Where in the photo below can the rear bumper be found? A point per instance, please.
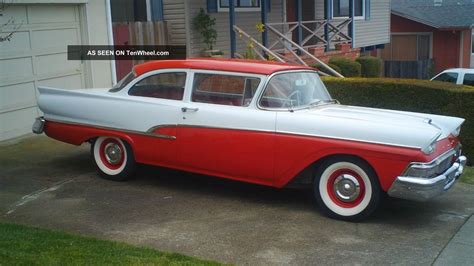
(422, 189)
(38, 125)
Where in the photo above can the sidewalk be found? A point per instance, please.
(460, 249)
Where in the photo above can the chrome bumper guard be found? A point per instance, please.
(422, 189)
(38, 126)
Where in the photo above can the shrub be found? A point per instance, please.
(410, 95)
(323, 69)
(348, 67)
(371, 67)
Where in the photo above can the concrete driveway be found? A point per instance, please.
(49, 184)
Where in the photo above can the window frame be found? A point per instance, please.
(239, 9)
(189, 86)
(472, 42)
(346, 17)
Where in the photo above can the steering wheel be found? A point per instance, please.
(289, 100)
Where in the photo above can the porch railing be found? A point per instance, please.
(284, 49)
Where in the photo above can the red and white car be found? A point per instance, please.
(259, 122)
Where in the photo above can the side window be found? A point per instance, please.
(447, 77)
(224, 89)
(468, 79)
(163, 86)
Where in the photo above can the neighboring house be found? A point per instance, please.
(439, 30)
(36, 55)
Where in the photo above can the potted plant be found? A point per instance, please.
(204, 24)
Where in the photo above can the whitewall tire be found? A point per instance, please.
(113, 157)
(346, 188)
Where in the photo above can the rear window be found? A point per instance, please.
(468, 79)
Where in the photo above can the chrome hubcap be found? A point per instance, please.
(113, 153)
(346, 187)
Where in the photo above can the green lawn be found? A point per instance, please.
(468, 175)
(22, 245)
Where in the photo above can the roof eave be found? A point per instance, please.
(427, 23)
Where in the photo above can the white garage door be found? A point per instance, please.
(36, 56)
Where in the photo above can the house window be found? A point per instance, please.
(472, 42)
(340, 8)
(240, 5)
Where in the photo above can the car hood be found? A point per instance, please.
(398, 128)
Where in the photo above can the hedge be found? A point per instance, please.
(348, 67)
(410, 95)
(371, 67)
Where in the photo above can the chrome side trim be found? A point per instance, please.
(152, 130)
(150, 134)
(114, 129)
(349, 139)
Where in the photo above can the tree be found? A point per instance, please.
(7, 22)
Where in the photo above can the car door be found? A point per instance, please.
(221, 131)
(155, 109)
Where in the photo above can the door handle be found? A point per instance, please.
(187, 109)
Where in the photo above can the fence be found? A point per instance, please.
(421, 69)
(138, 33)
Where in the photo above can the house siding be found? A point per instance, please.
(174, 15)
(375, 30)
(245, 20)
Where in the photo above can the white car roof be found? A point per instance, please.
(460, 70)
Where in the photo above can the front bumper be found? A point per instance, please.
(422, 189)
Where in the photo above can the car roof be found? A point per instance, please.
(231, 65)
(460, 70)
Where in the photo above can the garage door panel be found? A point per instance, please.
(17, 123)
(65, 82)
(49, 39)
(20, 43)
(51, 13)
(36, 56)
(56, 63)
(16, 67)
(17, 96)
(18, 12)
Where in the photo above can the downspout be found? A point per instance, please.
(231, 28)
(110, 36)
(461, 48)
(352, 23)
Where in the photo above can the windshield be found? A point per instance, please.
(123, 82)
(293, 90)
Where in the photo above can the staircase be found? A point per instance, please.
(284, 49)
